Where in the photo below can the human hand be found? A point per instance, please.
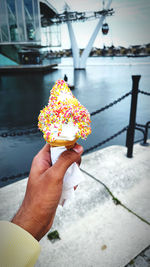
(44, 189)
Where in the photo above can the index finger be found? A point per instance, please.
(46, 148)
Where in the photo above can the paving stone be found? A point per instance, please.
(140, 262)
(147, 253)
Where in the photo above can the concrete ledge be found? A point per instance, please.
(93, 230)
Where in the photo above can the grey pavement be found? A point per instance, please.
(95, 231)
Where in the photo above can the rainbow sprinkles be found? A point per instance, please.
(63, 109)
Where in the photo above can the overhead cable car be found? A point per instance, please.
(105, 28)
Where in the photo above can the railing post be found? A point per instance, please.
(132, 119)
(145, 135)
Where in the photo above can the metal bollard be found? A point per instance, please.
(132, 119)
(146, 135)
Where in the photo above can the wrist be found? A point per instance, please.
(27, 222)
(33, 224)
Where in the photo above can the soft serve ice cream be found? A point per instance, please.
(64, 118)
(62, 122)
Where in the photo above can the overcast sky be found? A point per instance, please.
(130, 25)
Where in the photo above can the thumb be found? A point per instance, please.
(66, 159)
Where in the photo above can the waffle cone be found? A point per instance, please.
(67, 143)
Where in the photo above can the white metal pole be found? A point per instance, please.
(74, 45)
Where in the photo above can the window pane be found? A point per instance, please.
(4, 22)
(11, 9)
(20, 20)
(37, 20)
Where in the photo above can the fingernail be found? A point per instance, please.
(77, 148)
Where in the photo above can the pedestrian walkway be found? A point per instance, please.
(107, 224)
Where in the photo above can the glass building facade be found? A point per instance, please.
(51, 36)
(20, 21)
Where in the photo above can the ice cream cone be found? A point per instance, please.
(67, 143)
(63, 121)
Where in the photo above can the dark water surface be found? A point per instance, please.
(104, 80)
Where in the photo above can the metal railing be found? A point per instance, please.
(129, 128)
(132, 120)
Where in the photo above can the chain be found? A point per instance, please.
(12, 134)
(142, 125)
(33, 131)
(25, 174)
(13, 177)
(143, 92)
(111, 104)
(106, 140)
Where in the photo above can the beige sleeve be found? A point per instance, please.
(18, 248)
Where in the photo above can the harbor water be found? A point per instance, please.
(22, 96)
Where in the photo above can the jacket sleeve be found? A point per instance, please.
(18, 248)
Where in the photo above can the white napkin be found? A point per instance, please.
(73, 175)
